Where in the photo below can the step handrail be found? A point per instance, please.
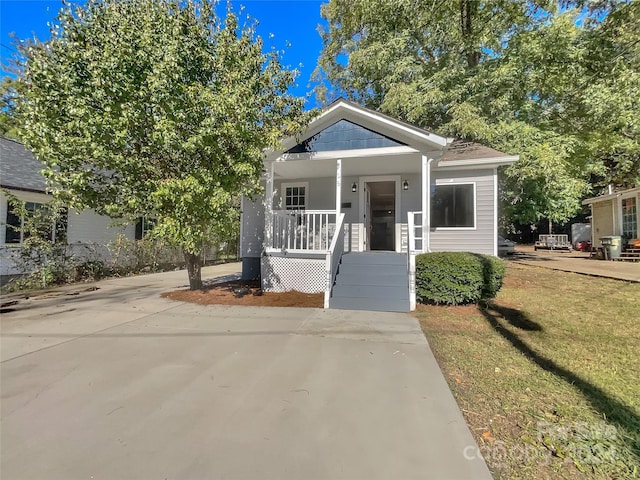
(334, 255)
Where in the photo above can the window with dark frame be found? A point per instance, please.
(295, 197)
(452, 206)
(15, 223)
(143, 226)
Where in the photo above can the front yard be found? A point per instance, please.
(547, 374)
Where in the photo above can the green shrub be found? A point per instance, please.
(90, 270)
(494, 270)
(457, 278)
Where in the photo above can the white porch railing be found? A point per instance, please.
(416, 243)
(303, 230)
(336, 249)
(416, 234)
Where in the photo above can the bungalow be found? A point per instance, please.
(349, 204)
(616, 214)
(20, 176)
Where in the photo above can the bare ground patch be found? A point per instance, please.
(247, 293)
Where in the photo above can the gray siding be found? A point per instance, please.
(252, 228)
(482, 238)
(321, 196)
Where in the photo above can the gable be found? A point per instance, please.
(344, 135)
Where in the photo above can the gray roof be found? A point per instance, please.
(465, 150)
(19, 169)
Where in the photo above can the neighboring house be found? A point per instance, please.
(350, 203)
(615, 214)
(20, 175)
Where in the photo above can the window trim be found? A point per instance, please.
(444, 183)
(20, 231)
(283, 193)
(634, 197)
(142, 221)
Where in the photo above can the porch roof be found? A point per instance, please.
(372, 161)
(610, 196)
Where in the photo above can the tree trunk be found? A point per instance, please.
(468, 9)
(550, 227)
(194, 270)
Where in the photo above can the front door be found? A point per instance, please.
(367, 217)
(380, 215)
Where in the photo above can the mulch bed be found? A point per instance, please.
(242, 292)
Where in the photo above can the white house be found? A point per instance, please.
(20, 176)
(615, 214)
(349, 204)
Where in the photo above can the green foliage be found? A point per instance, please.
(457, 278)
(90, 270)
(555, 82)
(493, 272)
(8, 122)
(43, 254)
(156, 108)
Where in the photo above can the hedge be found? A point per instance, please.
(457, 278)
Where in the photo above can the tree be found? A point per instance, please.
(526, 77)
(8, 94)
(156, 108)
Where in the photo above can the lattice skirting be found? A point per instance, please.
(282, 274)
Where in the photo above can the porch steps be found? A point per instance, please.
(376, 281)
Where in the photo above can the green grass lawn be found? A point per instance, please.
(548, 374)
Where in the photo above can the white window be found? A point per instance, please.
(629, 218)
(294, 195)
(453, 206)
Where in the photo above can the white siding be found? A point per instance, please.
(8, 252)
(87, 232)
(88, 227)
(482, 238)
(23, 196)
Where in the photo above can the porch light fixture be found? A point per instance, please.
(405, 185)
(354, 187)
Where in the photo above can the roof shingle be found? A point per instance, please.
(19, 169)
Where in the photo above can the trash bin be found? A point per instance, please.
(612, 246)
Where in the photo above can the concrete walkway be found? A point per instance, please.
(118, 383)
(578, 262)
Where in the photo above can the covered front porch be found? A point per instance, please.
(358, 183)
(320, 207)
(378, 196)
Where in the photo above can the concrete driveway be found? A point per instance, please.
(118, 383)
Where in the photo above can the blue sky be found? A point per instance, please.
(295, 21)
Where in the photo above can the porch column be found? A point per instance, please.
(268, 208)
(426, 203)
(338, 188)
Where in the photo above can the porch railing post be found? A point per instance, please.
(338, 188)
(425, 203)
(268, 209)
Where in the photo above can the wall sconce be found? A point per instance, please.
(405, 185)
(354, 187)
